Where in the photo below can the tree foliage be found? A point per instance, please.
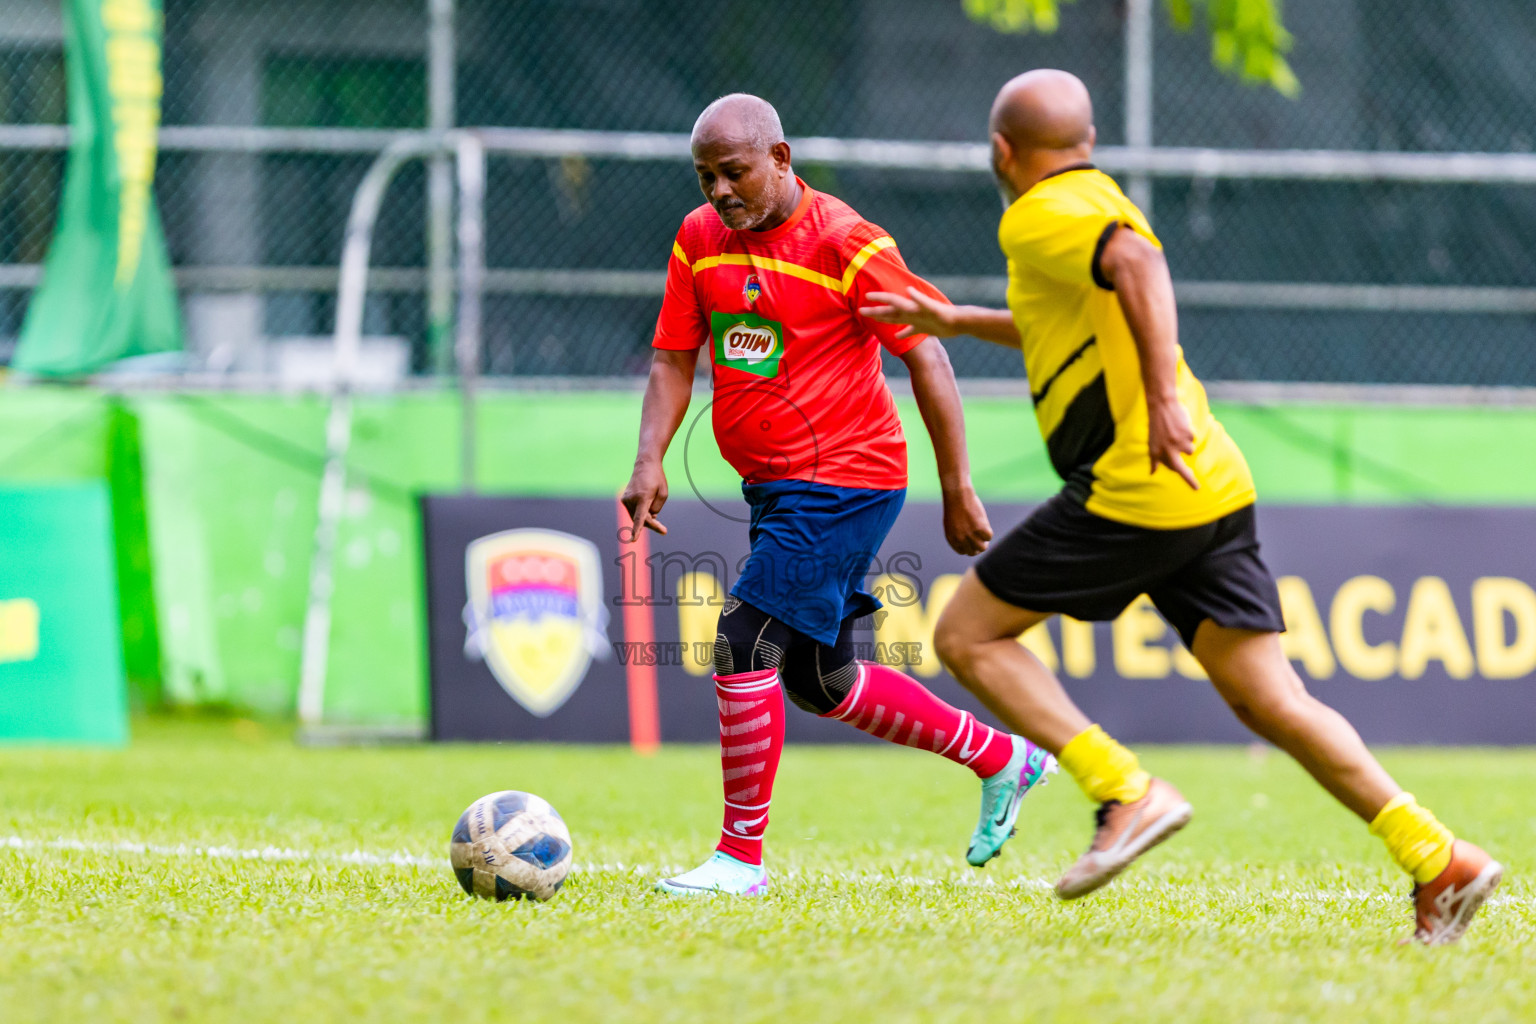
(1248, 38)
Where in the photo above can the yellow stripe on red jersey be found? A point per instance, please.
(798, 389)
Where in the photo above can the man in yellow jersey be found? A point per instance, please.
(1158, 500)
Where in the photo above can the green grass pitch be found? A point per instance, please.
(1273, 905)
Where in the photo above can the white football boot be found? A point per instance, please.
(722, 873)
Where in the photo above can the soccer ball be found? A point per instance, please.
(511, 846)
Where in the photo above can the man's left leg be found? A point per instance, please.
(829, 681)
(1451, 877)
(977, 638)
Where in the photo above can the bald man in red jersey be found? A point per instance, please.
(769, 274)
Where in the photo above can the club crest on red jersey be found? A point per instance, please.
(752, 290)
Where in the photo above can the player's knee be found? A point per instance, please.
(1244, 713)
(747, 639)
(725, 658)
(735, 654)
(955, 650)
(1280, 712)
(805, 691)
(820, 683)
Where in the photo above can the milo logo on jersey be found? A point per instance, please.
(748, 343)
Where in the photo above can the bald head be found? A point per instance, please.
(742, 161)
(1041, 121)
(739, 118)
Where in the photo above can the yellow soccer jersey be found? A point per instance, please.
(1084, 372)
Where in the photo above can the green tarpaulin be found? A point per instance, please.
(107, 290)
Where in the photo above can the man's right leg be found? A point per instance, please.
(749, 648)
(977, 639)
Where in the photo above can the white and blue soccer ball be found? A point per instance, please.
(511, 846)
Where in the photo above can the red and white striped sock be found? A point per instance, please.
(899, 709)
(751, 740)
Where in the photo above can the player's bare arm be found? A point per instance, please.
(667, 392)
(1140, 275)
(938, 399)
(924, 314)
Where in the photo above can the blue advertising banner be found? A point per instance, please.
(1419, 624)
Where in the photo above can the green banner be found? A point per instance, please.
(107, 290)
(61, 656)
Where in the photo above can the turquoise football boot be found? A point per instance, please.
(722, 873)
(1001, 795)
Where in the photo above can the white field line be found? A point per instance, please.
(283, 854)
(264, 853)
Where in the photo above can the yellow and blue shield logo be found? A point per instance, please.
(535, 613)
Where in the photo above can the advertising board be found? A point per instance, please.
(1418, 623)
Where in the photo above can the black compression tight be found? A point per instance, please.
(817, 677)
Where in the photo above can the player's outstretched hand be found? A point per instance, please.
(965, 522)
(921, 313)
(643, 497)
(1169, 438)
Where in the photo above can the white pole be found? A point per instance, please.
(351, 293)
(440, 118)
(1138, 93)
(471, 168)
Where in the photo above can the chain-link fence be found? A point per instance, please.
(1370, 281)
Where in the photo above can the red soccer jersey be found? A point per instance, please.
(799, 394)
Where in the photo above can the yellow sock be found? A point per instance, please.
(1103, 768)
(1414, 837)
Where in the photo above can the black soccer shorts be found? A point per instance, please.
(1065, 559)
